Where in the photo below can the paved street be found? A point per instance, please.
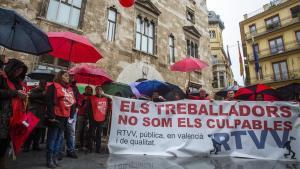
(36, 160)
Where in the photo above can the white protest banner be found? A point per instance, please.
(265, 130)
(163, 162)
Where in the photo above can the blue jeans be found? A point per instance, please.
(54, 139)
(70, 135)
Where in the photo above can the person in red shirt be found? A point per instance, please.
(60, 99)
(11, 93)
(202, 95)
(97, 108)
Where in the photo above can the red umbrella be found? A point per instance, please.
(72, 47)
(189, 65)
(248, 93)
(89, 74)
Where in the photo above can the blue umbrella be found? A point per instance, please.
(18, 34)
(148, 87)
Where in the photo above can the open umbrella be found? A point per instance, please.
(115, 88)
(249, 93)
(89, 74)
(42, 74)
(223, 92)
(175, 93)
(289, 92)
(189, 65)
(72, 47)
(148, 87)
(18, 34)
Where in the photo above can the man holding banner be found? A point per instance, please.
(97, 108)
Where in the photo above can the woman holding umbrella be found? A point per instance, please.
(60, 99)
(11, 93)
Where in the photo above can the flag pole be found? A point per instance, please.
(255, 54)
(242, 64)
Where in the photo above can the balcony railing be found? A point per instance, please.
(264, 8)
(277, 77)
(272, 27)
(289, 46)
(218, 62)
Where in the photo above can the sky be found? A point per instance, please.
(231, 13)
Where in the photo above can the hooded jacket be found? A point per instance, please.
(6, 94)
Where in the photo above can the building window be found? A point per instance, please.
(298, 36)
(145, 35)
(259, 74)
(273, 22)
(280, 71)
(216, 80)
(252, 28)
(214, 59)
(276, 45)
(256, 50)
(66, 12)
(171, 49)
(222, 79)
(190, 15)
(111, 24)
(192, 49)
(52, 63)
(212, 34)
(296, 11)
(219, 80)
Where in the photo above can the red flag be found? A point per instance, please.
(21, 126)
(22, 122)
(241, 61)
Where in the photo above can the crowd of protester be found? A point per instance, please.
(67, 119)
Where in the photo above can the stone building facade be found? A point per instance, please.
(137, 42)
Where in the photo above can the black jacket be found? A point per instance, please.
(76, 105)
(6, 94)
(38, 104)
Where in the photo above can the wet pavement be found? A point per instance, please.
(36, 160)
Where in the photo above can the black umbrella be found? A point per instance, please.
(42, 74)
(175, 91)
(17, 33)
(289, 92)
(224, 91)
